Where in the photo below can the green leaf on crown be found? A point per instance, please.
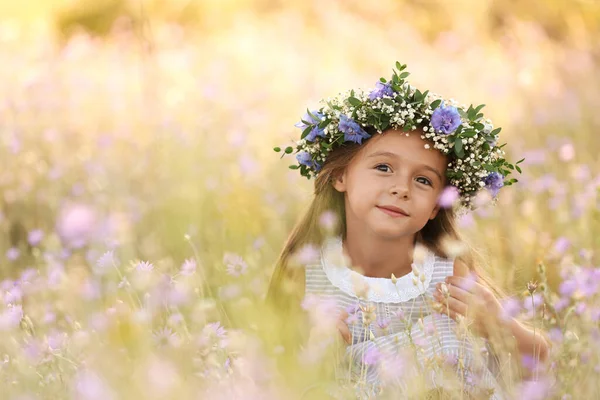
(324, 123)
(435, 104)
(354, 101)
(304, 133)
(458, 147)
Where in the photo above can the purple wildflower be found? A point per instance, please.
(352, 130)
(371, 356)
(381, 89)
(13, 295)
(211, 334)
(328, 220)
(450, 358)
(35, 237)
(445, 119)
(304, 158)
(11, 317)
(383, 323)
(561, 245)
(144, 266)
(308, 254)
(165, 337)
(493, 182)
(235, 264)
(555, 335)
(76, 225)
(89, 386)
(510, 308)
(534, 390)
(56, 340)
(189, 267)
(105, 263)
(13, 253)
(392, 368)
(449, 196)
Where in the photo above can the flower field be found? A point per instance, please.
(142, 206)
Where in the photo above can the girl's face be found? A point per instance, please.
(393, 170)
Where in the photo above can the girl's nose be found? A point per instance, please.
(400, 191)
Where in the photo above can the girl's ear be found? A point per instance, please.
(435, 211)
(339, 182)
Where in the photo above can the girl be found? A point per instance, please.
(394, 166)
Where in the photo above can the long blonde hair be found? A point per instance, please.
(286, 288)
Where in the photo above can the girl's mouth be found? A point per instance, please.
(392, 212)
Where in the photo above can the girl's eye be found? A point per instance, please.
(382, 166)
(427, 181)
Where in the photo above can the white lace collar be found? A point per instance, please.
(335, 265)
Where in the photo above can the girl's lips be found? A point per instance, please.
(391, 213)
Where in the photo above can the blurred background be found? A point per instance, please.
(129, 124)
(146, 128)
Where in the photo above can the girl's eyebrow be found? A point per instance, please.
(393, 155)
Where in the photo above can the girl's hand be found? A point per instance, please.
(343, 327)
(467, 298)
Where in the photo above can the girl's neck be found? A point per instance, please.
(378, 258)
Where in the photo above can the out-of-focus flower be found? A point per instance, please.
(566, 152)
(11, 317)
(56, 341)
(493, 182)
(511, 307)
(307, 254)
(372, 356)
(76, 225)
(534, 390)
(87, 385)
(234, 264)
(188, 267)
(392, 367)
(449, 196)
(35, 237)
(13, 253)
(162, 377)
(213, 334)
(166, 337)
(561, 245)
(144, 266)
(328, 220)
(105, 263)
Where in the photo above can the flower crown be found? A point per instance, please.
(475, 159)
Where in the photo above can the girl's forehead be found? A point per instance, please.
(398, 144)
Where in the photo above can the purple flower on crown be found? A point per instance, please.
(493, 182)
(314, 122)
(311, 121)
(304, 158)
(445, 119)
(381, 89)
(352, 130)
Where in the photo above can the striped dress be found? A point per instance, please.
(399, 318)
